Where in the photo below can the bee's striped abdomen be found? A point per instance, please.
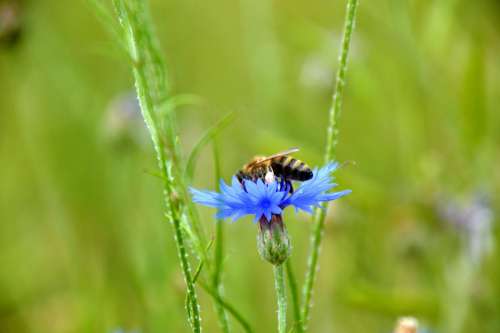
(291, 168)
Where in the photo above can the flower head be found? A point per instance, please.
(266, 201)
(473, 219)
(263, 200)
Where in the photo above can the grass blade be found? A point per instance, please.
(244, 323)
(204, 140)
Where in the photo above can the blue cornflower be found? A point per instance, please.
(264, 200)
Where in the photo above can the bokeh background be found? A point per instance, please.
(84, 246)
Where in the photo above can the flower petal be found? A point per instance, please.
(207, 198)
(315, 190)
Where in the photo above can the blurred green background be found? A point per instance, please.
(84, 246)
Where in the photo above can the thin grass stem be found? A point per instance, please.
(330, 154)
(149, 76)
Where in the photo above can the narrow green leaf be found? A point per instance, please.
(155, 174)
(177, 101)
(204, 140)
(202, 262)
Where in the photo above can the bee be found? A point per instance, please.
(278, 165)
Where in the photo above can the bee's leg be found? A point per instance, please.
(289, 186)
(254, 177)
(240, 177)
(246, 179)
(260, 175)
(283, 185)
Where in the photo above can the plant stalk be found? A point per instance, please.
(279, 282)
(330, 155)
(150, 85)
(292, 282)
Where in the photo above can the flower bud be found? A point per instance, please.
(272, 240)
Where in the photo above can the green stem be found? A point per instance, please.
(151, 91)
(292, 282)
(173, 213)
(232, 310)
(312, 267)
(279, 283)
(336, 107)
(219, 252)
(330, 154)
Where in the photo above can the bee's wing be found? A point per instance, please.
(281, 153)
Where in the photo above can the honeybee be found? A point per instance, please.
(277, 165)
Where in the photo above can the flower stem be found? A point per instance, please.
(336, 107)
(279, 282)
(330, 154)
(150, 82)
(292, 282)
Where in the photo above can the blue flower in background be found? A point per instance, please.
(264, 200)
